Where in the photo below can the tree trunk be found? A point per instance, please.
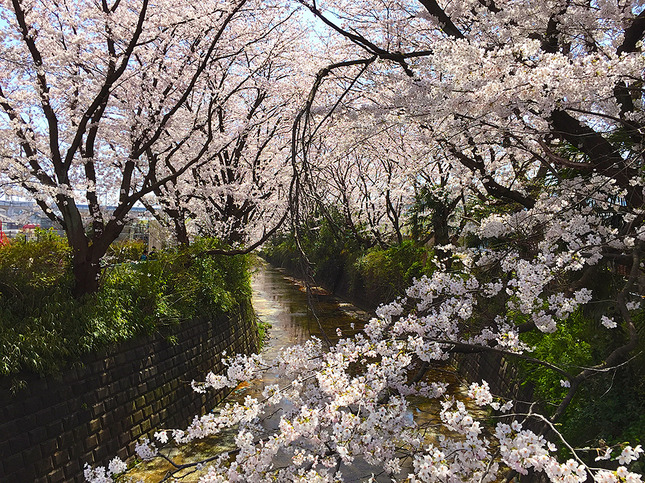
(86, 276)
(180, 231)
(87, 252)
(440, 215)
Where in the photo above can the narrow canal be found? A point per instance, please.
(293, 315)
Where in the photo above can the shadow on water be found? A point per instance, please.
(282, 302)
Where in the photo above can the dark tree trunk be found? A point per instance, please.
(441, 231)
(86, 276)
(440, 227)
(87, 250)
(180, 230)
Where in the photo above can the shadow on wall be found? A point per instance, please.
(91, 414)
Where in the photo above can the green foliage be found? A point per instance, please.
(281, 250)
(263, 332)
(610, 405)
(331, 249)
(568, 347)
(614, 400)
(386, 273)
(613, 409)
(370, 276)
(35, 265)
(42, 326)
(125, 250)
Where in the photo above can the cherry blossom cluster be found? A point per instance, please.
(338, 418)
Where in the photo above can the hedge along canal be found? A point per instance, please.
(283, 302)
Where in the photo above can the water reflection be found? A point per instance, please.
(283, 302)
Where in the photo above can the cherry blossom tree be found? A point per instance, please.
(368, 171)
(236, 190)
(501, 92)
(105, 102)
(548, 132)
(530, 113)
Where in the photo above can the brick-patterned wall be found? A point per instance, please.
(96, 411)
(503, 377)
(500, 373)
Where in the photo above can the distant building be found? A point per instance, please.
(24, 216)
(19, 216)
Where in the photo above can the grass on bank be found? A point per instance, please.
(42, 327)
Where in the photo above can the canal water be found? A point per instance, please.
(293, 315)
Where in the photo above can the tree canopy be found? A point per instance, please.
(507, 133)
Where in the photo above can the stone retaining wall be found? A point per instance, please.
(501, 374)
(96, 411)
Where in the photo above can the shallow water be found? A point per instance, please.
(283, 302)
